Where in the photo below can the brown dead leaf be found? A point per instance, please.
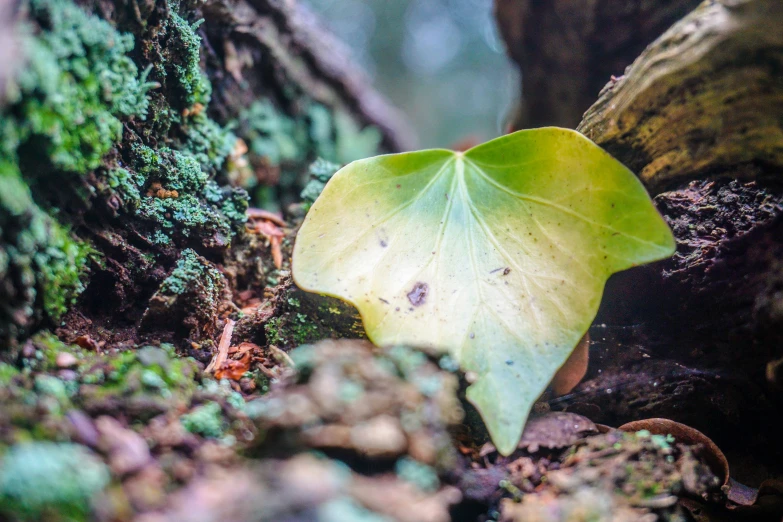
(259, 213)
(686, 435)
(245, 347)
(574, 369)
(277, 253)
(551, 430)
(266, 224)
(235, 369)
(88, 343)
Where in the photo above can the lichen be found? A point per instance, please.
(189, 299)
(41, 260)
(184, 61)
(286, 144)
(272, 135)
(417, 473)
(190, 270)
(76, 87)
(64, 113)
(195, 205)
(205, 420)
(319, 172)
(50, 480)
(209, 143)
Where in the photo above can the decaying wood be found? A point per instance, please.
(568, 49)
(705, 97)
(307, 55)
(699, 117)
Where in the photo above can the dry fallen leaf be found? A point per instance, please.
(235, 369)
(88, 343)
(687, 435)
(574, 369)
(267, 224)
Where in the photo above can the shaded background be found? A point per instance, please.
(440, 61)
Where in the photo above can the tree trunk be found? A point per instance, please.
(698, 117)
(568, 49)
(149, 184)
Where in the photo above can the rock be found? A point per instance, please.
(66, 360)
(127, 450)
(381, 437)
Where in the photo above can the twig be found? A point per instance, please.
(225, 342)
(281, 356)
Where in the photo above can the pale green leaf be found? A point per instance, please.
(498, 256)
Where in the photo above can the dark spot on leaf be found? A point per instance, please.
(472, 335)
(383, 300)
(506, 271)
(383, 237)
(510, 362)
(418, 294)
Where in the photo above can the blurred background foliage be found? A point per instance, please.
(441, 62)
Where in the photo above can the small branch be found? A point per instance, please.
(225, 341)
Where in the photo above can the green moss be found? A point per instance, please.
(51, 481)
(61, 268)
(272, 331)
(50, 385)
(151, 379)
(205, 420)
(47, 347)
(190, 295)
(45, 265)
(289, 331)
(7, 373)
(76, 87)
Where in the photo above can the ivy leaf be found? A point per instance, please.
(498, 255)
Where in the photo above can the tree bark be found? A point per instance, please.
(568, 49)
(698, 117)
(248, 98)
